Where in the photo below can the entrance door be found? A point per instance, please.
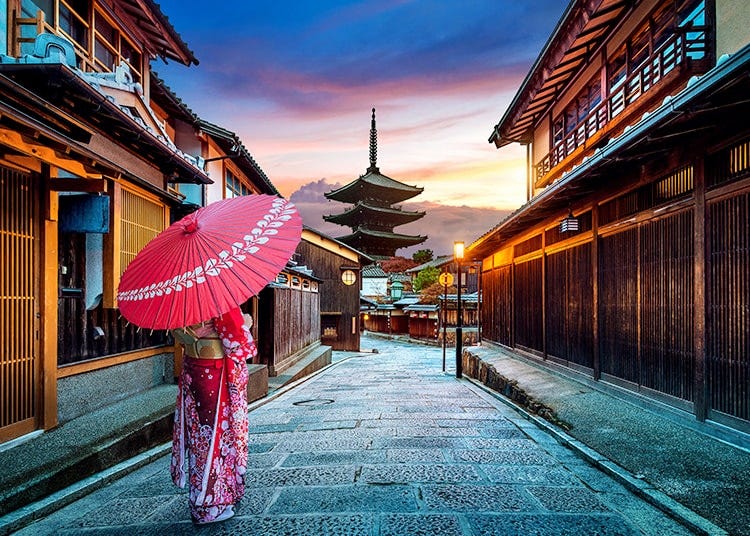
(19, 286)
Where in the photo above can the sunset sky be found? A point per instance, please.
(297, 82)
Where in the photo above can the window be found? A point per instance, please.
(72, 22)
(578, 111)
(693, 17)
(111, 48)
(234, 187)
(76, 20)
(139, 217)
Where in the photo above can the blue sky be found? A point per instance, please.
(297, 82)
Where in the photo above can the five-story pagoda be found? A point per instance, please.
(373, 216)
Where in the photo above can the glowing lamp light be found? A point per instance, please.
(397, 290)
(458, 250)
(569, 223)
(348, 277)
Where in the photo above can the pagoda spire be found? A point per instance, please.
(373, 145)
(373, 216)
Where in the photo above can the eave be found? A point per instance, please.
(231, 144)
(707, 108)
(59, 85)
(162, 38)
(362, 235)
(374, 185)
(30, 134)
(582, 29)
(363, 211)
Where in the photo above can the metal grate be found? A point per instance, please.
(18, 275)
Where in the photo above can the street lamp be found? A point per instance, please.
(397, 290)
(458, 254)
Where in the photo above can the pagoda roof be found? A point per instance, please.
(381, 240)
(374, 185)
(363, 211)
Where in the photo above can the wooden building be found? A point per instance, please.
(373, 217)
(339, 269)
(629, 263)
(97, 156)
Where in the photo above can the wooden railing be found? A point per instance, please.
(685, 44)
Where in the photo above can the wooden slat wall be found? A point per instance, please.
(527, 303)
(557, 305)
(728, 305)
(618, 318)
(423, 328)
(19, 273)
(569, 305)
(580, 313)
(651, 311)
(667, 361)
(497, 295)
(289, 321)
(75, 335)
(334, 295)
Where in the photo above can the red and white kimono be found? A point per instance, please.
(211, 423)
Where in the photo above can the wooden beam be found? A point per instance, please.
(47, 155)
(597, 367)
(78, 185)
(700, 398)
(49, 264)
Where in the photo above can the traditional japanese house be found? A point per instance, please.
(374, 282)
(373, 217)
(288, 319)
(629, 262)
(338, 267)
(98, 156)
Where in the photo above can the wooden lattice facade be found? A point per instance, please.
(650, 290)
(19, 313)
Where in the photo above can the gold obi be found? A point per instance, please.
(206, 347)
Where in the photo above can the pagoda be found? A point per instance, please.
(373, 217)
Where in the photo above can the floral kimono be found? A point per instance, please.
(211, 422)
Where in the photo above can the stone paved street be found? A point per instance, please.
(384, 444)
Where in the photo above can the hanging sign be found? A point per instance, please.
(446, 279)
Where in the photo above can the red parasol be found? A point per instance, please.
(209, 262)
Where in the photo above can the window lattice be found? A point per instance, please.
(141, 220)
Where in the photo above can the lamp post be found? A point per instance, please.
(397, 290)
(458, 254)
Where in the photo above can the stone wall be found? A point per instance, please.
(474, 367)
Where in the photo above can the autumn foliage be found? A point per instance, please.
(397, 265)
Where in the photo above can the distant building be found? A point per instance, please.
(629, 262)
(373, 216)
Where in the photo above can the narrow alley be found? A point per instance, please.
(382, 444)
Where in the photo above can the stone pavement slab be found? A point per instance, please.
(379, 445)
(681, 463)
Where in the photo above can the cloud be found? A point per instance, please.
(442, 224)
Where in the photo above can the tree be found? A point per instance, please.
(426, 277)
(432, 293)
(422, 256)
(397, 265)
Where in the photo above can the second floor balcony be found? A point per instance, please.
(684, 54)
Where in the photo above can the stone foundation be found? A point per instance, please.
(474, 367)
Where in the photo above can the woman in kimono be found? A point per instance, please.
(211, 424)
